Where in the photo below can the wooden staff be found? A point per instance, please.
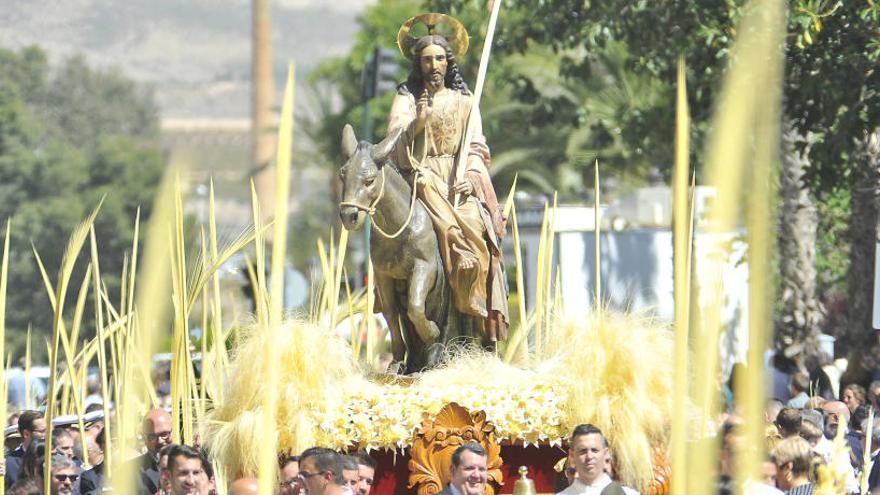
(4, 277)
(463, 151)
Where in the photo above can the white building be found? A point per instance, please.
(636, 266)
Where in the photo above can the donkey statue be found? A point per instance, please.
(412, 289)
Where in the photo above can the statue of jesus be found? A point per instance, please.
(432, 108)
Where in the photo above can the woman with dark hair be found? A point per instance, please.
(32, 462)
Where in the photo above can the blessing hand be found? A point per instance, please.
(464, 187)
(423, 110)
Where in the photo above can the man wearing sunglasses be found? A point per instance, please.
(320, 472)
(157, 435)
(64, 475)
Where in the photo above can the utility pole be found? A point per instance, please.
(378, 77)
(263, 118)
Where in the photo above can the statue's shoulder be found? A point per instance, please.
(403, 104)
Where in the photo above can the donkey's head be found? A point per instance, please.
(361, 176)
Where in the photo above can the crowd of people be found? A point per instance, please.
(804, 418)
(166, 468)
(801, 426)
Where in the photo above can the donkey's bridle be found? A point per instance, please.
(371, 210)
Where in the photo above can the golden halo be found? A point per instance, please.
(458, 37)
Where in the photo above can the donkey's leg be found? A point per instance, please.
(391, 311)
(423, 276)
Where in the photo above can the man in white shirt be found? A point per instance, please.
(588, 452)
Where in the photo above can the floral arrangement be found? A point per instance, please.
(388, 416)
(613, 372)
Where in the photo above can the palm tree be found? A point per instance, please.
(864, 228)
(562, 111)
(797, 322)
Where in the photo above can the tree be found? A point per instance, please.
(832, 52)
(68, 138)
(800, 314)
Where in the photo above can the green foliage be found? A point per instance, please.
(68, 138)
(379, 26)
(832, 246)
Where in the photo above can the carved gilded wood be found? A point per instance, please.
(662, 474)
(430, 464)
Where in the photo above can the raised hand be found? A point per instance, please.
(423, 110)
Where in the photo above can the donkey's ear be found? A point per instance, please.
(384, 148)
(349, 141)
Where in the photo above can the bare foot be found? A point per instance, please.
(467, 262)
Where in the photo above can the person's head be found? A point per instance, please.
(800, 382)
(731, 438)
(811, 433)
(64, 475)
(836, 413)
(366, 473)
(185, 471)
(859, 415)
(93, 385)
(94, 452)
(771, 410)
(433, 65)
(244, 486)
(815, 417)
(164, 481)
(768, 472)
(319, 468)
(288, 471)
(587, 450)
(853, 395)
(350, 472)
(12, 438)
(814, 403)
(789, 422)
(470, 469)
(32, 426)
(792, 457)
(157, 430)
(208, 483)
(62, 442)
(873, 394)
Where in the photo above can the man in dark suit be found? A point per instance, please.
(32, 426)
(157, 434)
(469, 471)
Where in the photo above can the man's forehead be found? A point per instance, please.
(836, 407)
(469, 458)
(588, 439)
(433, 49)
(63, 470)
(183, 463)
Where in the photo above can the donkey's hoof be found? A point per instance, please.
(435, 354)
(395, 368)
